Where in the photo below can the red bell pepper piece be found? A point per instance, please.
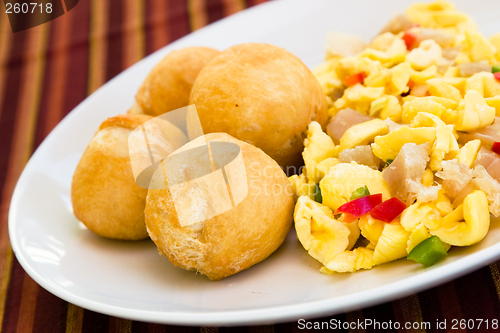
(360, 206)
(497, 76)
(411, 84)
(496, 147)
(348, 218)
(410, 38)
(354, 79)
(388, 210)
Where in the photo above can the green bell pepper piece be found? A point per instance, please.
(360, 192)
(428, 251)
(317, 194)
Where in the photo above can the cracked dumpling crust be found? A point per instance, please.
(232, 241)
(104, 194)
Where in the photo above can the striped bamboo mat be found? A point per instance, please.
(47, 70)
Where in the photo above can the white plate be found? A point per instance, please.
(130, 279)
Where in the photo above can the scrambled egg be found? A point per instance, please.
(427, 54)
(445, 142)
(350, 261)
(468, 153)
(388, 107)
(392, 243)
(344, 178)
(467, 224)
(388, 146)
(319, 232)
(363, 134)
(475, 113)
(371, 229)
(318, 146)
(432, 83)
(438, 14)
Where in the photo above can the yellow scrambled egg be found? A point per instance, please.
(431, 84)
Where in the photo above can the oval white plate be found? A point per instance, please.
(131, 280)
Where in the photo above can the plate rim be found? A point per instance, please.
(280, 314)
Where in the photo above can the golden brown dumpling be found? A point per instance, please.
(169, 83)
(104, 194)
(238, 238)
(261, 94)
